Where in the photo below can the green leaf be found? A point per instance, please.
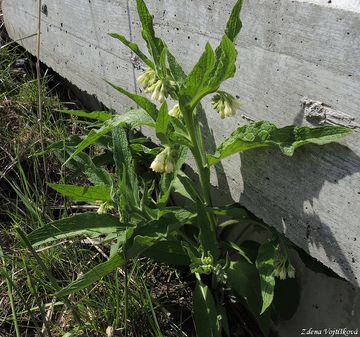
(93, 275)
(125, 167)
(265, 264)
(207, 75)
(205, 313)
(83, 163)
(289, 138)
(224, 67)
(175, 68)
(195, 86)
(141, 101)
(134, 118)
(83, 193)
(162, 124)
(239, 250)
(80, 224)
(234, 23)
(134, 47)
(140, 244)
(243, 278)
(185, 187)
(101, 116)
(154, 44)
(169, 252)
(163, 67)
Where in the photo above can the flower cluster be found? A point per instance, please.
(105, 207)
(225, 104)
(284, 269)
(152, 84)
(165, 161)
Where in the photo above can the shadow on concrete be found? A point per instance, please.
(289, 187)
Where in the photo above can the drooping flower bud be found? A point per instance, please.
(148, 78)
(225, 104)
(158, 164)
(165, 161)
(291, 271)
(175, 111)
(104, 208)
(158, 91)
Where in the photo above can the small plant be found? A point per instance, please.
(134, 208)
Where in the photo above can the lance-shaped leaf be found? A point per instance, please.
(234, 23)
(141, 101)
(211, 70)
(93, 275)
(162, 124)
(175, 68)
(101, 116)
(134, 47)
(265, 264)
(134, 118)
(154, 44)
(169, 252)
(195, 86)
(224, 67)
(185, 187)
(125, 167)
(83, 164)
(80, 224)
(83, 193)
(244, 279)
(289, 138)
(205, 313)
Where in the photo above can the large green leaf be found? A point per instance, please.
(80, 224)
(175, 68)
(169, 252)
(83, 193)
(205, 314)
(93, 275)
(83, 164)
(224, 67)
(162, 124)
(141, 101)
(289, 138)
(134, 118)
(195, 86)
(101, 116)
(207, 75)
(234, 24)
(125, 167)
(185, 187)
(134, 47)
(265, 265)
(154, 44)
(243, 278)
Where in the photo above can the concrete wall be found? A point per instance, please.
(288, 50)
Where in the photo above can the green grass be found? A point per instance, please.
(158, 297)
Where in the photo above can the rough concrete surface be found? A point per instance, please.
(288, 51)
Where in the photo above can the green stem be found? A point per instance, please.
(199, 153)
(200, 157)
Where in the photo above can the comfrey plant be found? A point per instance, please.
(135, 211)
